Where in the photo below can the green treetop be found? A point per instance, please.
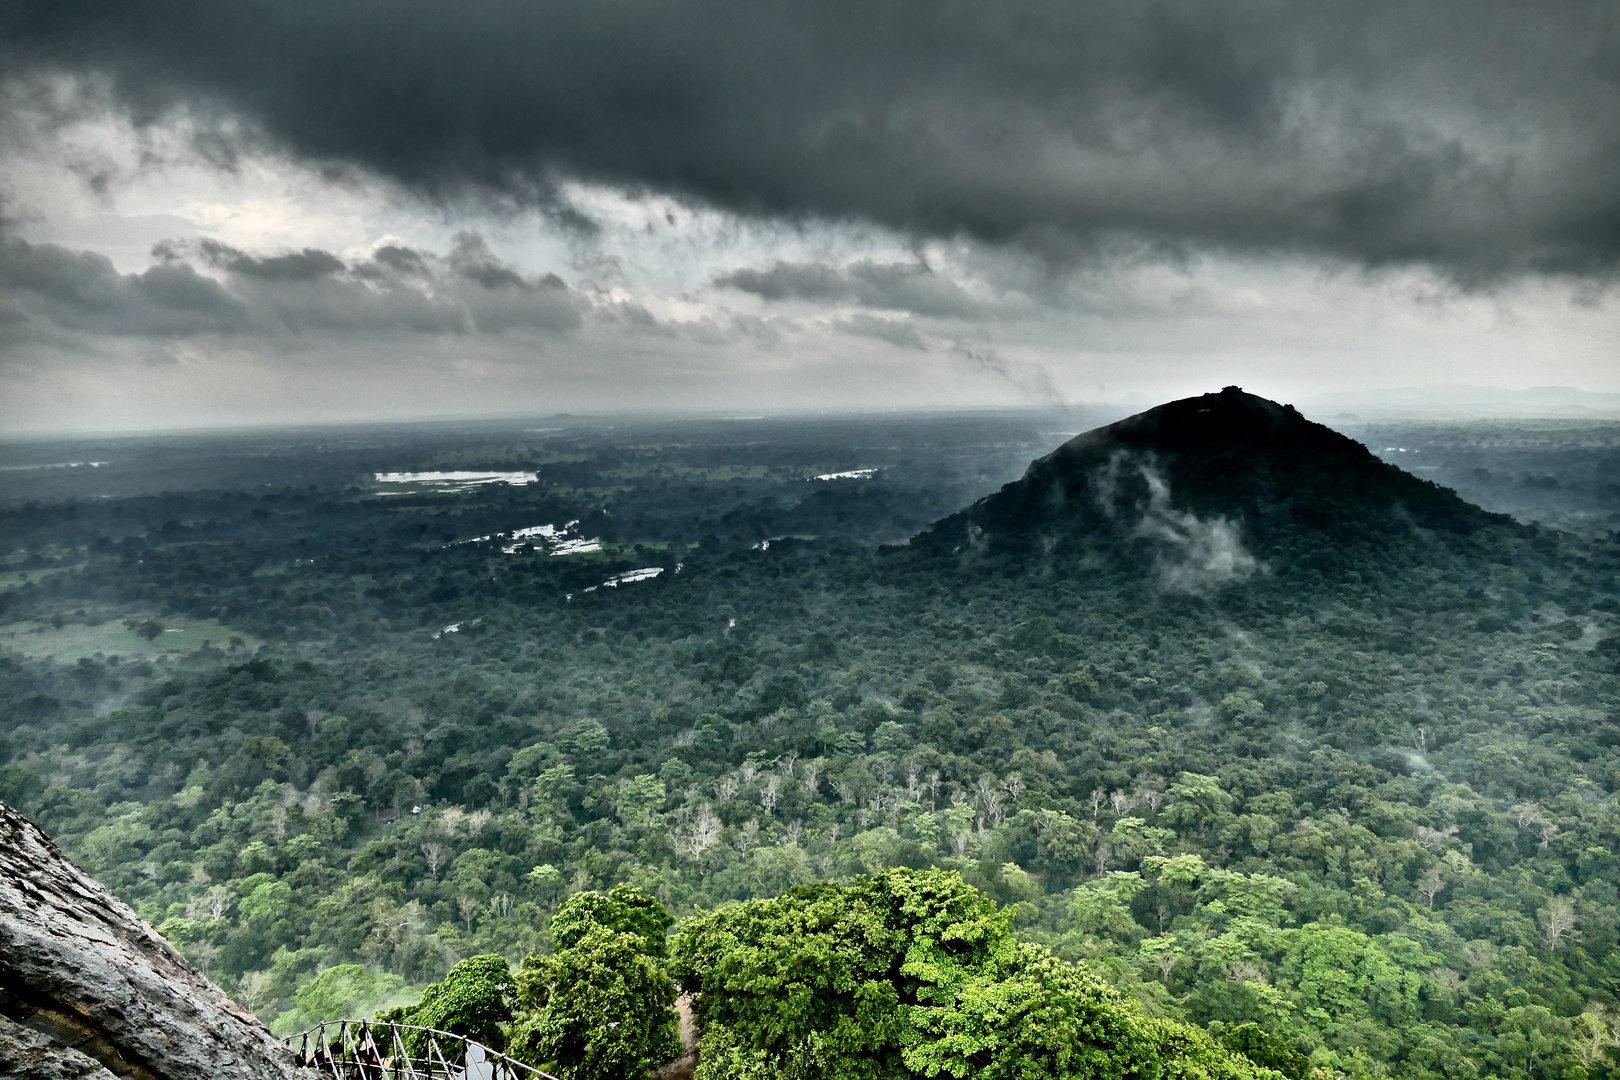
(911, 974)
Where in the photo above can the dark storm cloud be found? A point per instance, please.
(1481, 135)
(305, 265)
(894, 286)
(791, 281)
(908, 287)
(400, 260)
(48, 291)
(471, 258)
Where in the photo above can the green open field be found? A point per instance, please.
(10, 579)
(72, 641)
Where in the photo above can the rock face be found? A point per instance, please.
(88, 990)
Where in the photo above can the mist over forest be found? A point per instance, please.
(1278, 744)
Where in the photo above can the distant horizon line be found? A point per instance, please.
(1608, 402)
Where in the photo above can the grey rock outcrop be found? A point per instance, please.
(88, 990)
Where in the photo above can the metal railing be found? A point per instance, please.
(375, 1050)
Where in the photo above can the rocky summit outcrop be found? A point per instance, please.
(88, 990)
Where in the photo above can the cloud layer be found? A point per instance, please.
(1480, 136)
(50, 292)
(263, 211)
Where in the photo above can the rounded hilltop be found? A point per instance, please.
(1229, 478)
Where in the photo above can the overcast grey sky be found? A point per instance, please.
(295, 210)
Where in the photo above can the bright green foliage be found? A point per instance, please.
(1241, 708)
(1538, 1042)
(19, 786)
(640, 798)
(1224, 895)
(1103, 905)
(530, 761)
(1197, 801)
(1025, 1015)
(1341, 973)
(1177, 872)
(625, 909)
(551, 786)
(1232, 947)
(795, 984)
(586, 740)
(1265, 1050)
(329, 995)
(909, 973)
(475, 1000)
(1185, 1053)
(266, 903)
(545, 880)
(601, 1006)
(337, 993)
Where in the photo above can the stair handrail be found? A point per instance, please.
(356, 1054)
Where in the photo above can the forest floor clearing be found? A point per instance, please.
(72, 641)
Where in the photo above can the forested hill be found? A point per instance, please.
(1314, 746)
(1222, 484)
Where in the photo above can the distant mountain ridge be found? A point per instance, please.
(1213, 488)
